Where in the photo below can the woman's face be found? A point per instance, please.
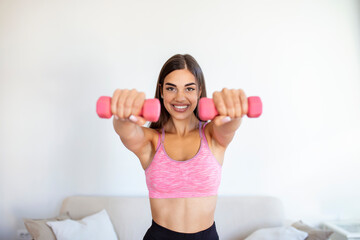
(180, 93)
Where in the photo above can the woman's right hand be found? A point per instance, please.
(126, 105)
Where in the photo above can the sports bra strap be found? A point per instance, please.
(200, 131)
(158, 144)
(162, 135)
(203, 129)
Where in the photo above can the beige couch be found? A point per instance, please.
(236, 217)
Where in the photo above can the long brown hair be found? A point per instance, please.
(176, 62)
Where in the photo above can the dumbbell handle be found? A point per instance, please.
(150, 110)
(207, 109)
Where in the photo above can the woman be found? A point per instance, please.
(181, 155)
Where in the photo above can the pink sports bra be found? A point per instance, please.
(196, 177)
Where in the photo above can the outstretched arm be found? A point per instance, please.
(231, 105)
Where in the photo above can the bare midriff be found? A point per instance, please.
(185, 215)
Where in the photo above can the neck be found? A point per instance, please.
(182, 127)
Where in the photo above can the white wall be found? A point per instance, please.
(301, 57)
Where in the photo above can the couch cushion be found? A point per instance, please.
(93, 227)
(314, 233)
(278, 233)
(38, 228)
(131, 216)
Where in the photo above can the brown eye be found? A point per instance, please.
(170, 88)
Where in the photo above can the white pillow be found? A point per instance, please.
(278, 233)
(94, 227)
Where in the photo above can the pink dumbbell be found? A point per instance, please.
(150, 110)
(207, 110)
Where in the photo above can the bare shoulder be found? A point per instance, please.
(152, 135)
(147, 152)
(216, 149)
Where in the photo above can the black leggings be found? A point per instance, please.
(157, 232)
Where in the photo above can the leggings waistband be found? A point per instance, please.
(159, 232)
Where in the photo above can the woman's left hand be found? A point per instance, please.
(230, 104)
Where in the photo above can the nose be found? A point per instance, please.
(180, 96)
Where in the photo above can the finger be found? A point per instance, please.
(138, 103)
(244, 103)
(114, 101)
(128, 105)
(219, 103)
(138, 120)
(121, 103)
(237, 104)
(221, 120)
(229, 102)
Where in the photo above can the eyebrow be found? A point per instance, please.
(188, 84)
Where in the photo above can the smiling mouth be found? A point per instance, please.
(180, 108)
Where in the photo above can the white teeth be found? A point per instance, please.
(180, 107)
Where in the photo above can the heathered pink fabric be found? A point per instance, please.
(199, 176)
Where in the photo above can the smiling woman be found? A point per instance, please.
(180, 97)
(181, 155)
(186, 70)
